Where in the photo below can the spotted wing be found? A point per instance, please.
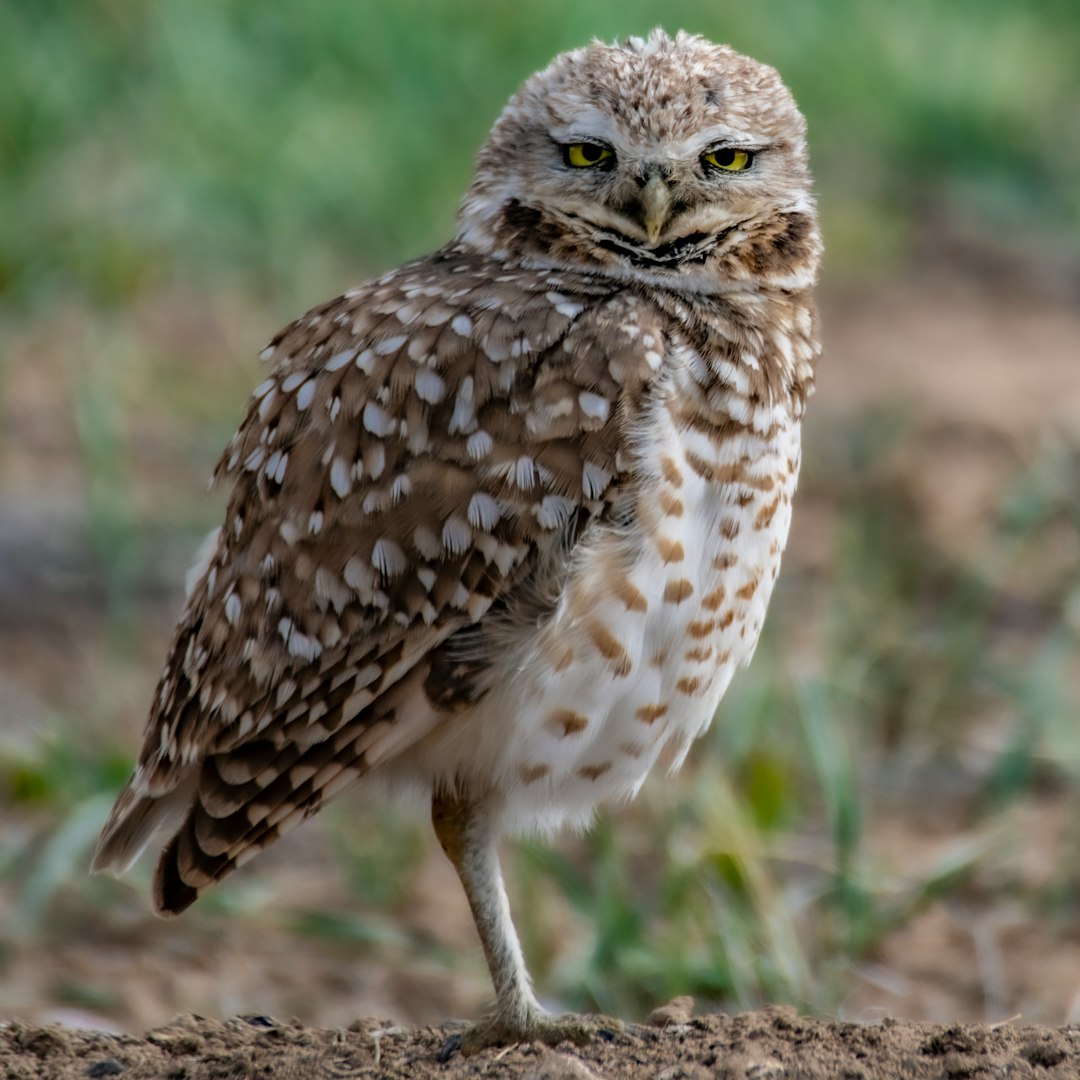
(420, 444)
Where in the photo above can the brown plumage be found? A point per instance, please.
(504, 521)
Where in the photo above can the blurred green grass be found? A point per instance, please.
(145, 142)
(234, 163)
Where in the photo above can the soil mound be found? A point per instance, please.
(774, 1044)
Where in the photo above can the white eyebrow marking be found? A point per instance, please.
(717, 136)
(589, 124)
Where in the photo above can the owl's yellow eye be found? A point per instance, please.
(729, 160)
(584, 155)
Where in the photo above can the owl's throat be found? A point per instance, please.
(694, 248)
(528, 231)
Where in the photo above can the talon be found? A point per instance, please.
(551, 1031)
(449, 1049)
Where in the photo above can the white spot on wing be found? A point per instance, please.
(375, 460)
(564, 305)
(456, 535)
(594, 480)
(387, 557)
(554, 510)
(483, 511)
(233, 609)
(390, 345)
(366, 676)
(525, 472)
(305, 394)
(307, 648)
(593, 405)
(275, 466)
(464, 415)
(377, 420)
(429, 386)
(479, 445)
(339, 360)
(495, 350)
(339, 478)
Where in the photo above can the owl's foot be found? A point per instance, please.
(541, 1028)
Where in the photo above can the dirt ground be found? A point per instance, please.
(767, 1045)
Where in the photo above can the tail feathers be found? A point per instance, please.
(207, 847)
(232, 805)
(172, 894)
(136, 819)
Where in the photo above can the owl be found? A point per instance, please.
(504, 521)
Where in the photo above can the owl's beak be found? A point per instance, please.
(655, 207)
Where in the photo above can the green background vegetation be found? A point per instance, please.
(233, 163)
(146, 141)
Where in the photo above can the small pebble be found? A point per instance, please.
(105, 1067)
(677, 1011)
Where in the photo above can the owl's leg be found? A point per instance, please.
(464, 830)
(466, 836)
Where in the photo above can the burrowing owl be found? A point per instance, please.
(505, 520)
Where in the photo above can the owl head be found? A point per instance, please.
(659, 158)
